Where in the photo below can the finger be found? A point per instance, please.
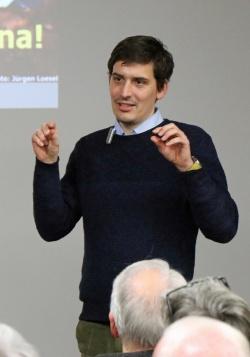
(39, 133)
(49, 130)
(157, 141)
(174, 141)
(37, 141)
(160, 145)
(156, 130)
(52, 127)
(45, 129)
(43, 138)
(163, 129)
(170, 133)
(175, 132)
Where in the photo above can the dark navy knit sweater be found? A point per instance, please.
(135, 205)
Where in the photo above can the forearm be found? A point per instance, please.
(213, 209)
(55, 213)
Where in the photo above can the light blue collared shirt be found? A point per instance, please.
(153, 121)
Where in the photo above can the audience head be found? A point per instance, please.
(138, 307)
(197, 336)
(12, 344)
(210, 297)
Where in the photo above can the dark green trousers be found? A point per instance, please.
(94, 338)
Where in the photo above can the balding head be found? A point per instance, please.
(202, 337)
(138, 308)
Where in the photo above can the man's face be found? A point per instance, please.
(133, 91)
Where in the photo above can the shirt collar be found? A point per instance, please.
(151, 122)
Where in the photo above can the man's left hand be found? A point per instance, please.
(174, 145)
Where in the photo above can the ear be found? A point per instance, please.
(162, 92)
(113, 328)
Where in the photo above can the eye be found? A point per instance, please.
(140, 82)
(116, 79)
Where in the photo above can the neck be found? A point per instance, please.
(128, 129)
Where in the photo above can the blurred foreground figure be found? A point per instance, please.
(202, 337)
(12, 344)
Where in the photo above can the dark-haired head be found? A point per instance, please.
(143, 50)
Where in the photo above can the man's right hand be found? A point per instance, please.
(45, 143)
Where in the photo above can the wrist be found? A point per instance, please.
(185, 166)
(48, 161)
(193, 165)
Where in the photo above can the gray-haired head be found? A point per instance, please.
(197, 336)
(138, 301)
(209, 297)
(12, 344)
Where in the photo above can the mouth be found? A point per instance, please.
(125, 106)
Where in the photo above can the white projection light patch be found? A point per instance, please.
(5, 3)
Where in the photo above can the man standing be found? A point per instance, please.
(144, 187)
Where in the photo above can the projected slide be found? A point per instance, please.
(28, 54)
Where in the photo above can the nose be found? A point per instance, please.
(126, 89)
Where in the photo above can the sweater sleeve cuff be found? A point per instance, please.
(197, 181)
(43, 166)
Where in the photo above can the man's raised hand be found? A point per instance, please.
(174, 145)
(45, 143)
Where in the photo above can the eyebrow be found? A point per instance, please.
(117, 74)
(144, 79)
